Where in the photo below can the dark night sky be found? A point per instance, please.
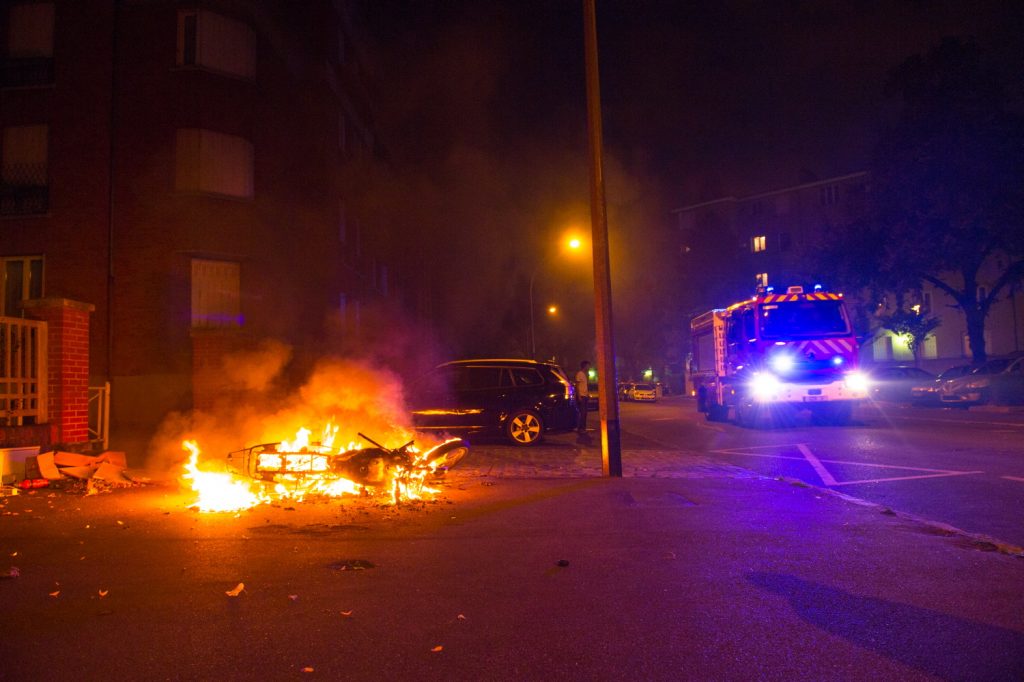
(482, 110)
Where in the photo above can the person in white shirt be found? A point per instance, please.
(582, 395)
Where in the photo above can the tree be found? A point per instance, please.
(911, 324)
(948, 185)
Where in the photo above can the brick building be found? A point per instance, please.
(194, 172)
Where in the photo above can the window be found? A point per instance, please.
(758, 244)
(926, 302)
(216, 294)
(480, 378)
(212, 162)
(30, 30)
(793, 319)
(21, 280)
(785, 241)
(762, 279)
(25, 155)
(23, 170)
(526, 376)
(212, 41)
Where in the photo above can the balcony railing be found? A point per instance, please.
(24, 189)
(25, 72)
(24, 199)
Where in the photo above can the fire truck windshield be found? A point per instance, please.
(802, 319)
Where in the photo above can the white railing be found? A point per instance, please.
(99, 414)
(22, 371)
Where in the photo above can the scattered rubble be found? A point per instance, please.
(76, 472)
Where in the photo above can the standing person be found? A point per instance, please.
(582, 395)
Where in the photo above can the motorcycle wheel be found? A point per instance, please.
(446, 455)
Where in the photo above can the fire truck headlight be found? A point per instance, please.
(764, 386)
(782, 363)
(856, 381)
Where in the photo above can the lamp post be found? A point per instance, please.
(608, 406)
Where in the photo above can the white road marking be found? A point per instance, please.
(1013, 478)
(826, 476)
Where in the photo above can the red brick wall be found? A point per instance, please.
(68, 365)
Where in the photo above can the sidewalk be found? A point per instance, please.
(530, 566)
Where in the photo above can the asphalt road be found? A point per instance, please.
(962, 468)
(531, 565)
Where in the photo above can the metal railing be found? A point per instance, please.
(24, 190)
(99, 414)
(23, 371)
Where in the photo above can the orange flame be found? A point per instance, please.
(218, 491)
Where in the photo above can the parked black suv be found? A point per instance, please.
(521, 399)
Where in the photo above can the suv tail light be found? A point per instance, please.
(570, 391)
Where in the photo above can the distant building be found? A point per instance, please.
(192, 170)
(758, 240)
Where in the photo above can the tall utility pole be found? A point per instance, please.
(608, 406)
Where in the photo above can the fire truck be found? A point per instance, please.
(770, 356)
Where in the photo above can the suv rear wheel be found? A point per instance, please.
(524, 427)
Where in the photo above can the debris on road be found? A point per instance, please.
(237, 591)
(351, 565)
(98, 473)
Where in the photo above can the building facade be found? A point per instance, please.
(193, 170)
(763, 240)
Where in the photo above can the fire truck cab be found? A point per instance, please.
(772, 355)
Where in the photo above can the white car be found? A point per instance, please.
(643, 392)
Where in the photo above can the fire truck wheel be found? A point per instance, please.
(524, 427)
(746, 414)
(717, 413)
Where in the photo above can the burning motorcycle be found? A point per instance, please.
(403, 470)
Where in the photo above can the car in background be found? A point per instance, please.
(642, 393)
(999, 380)
(895, 383)
(521, 400)
(928, 393)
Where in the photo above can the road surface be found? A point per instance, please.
(962, 468)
